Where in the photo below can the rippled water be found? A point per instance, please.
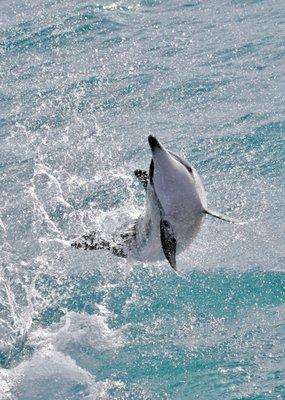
(82, 86)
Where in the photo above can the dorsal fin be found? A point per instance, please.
(168, 242)
(151, 171)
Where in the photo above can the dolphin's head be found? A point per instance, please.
(154, 143)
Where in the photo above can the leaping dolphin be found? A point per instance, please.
(175, 206)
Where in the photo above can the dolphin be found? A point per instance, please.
(175, 207)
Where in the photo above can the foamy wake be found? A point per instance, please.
(55, 371)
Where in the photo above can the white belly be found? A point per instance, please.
(179, 196)
(182, 210)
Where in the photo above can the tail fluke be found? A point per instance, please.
(92, 241)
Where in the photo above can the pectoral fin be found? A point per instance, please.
(223, 217)
(142, 177)
(168, 242)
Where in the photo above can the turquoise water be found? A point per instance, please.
(82, 86)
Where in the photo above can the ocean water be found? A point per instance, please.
(82, 86)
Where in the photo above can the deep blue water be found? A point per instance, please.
(82, 86)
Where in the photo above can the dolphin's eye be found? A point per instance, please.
(188, 167)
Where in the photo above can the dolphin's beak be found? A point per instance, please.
(154, 143)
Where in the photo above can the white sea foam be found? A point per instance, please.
(56, 369)
(50, 374)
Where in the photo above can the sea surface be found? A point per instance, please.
(82, 85)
